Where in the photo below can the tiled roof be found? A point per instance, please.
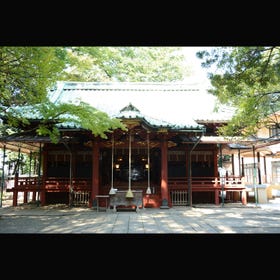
(131, 112)
(173, 105)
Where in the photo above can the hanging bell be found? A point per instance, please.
(112, 191)
(129, 194)
(148, 191)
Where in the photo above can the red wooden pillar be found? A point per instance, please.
(216, 163)
(95, 172)
(216, 185)
(43, 196)
(42, 184)
(15, 197)
(164, 174)
(15, 192)
(232, 164)
(215, 160)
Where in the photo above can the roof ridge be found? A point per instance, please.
(134, 85)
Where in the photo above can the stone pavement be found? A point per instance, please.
(200, 219)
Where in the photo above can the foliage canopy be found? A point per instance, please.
(28, 73)
(246, 78)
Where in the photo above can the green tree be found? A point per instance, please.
(126, 64)
(28, 73)
(26, 76)
(246, 78)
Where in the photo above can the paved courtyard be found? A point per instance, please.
(199, 219)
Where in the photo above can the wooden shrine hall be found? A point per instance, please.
(168, 156)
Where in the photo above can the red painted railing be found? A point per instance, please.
(206, 183)
(56, 184)
(179, 187)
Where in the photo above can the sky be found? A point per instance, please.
(198, 74)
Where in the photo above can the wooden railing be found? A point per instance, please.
(79, 187)
(178, 187)
(60, 184)
(206, 183)
(202, 183)
(50, 184)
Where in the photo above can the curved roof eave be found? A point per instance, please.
(168, 126)
(130, 112)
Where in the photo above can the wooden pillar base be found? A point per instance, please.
(42, 195)
(15, 198)
(244, 197)
(217, 197)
